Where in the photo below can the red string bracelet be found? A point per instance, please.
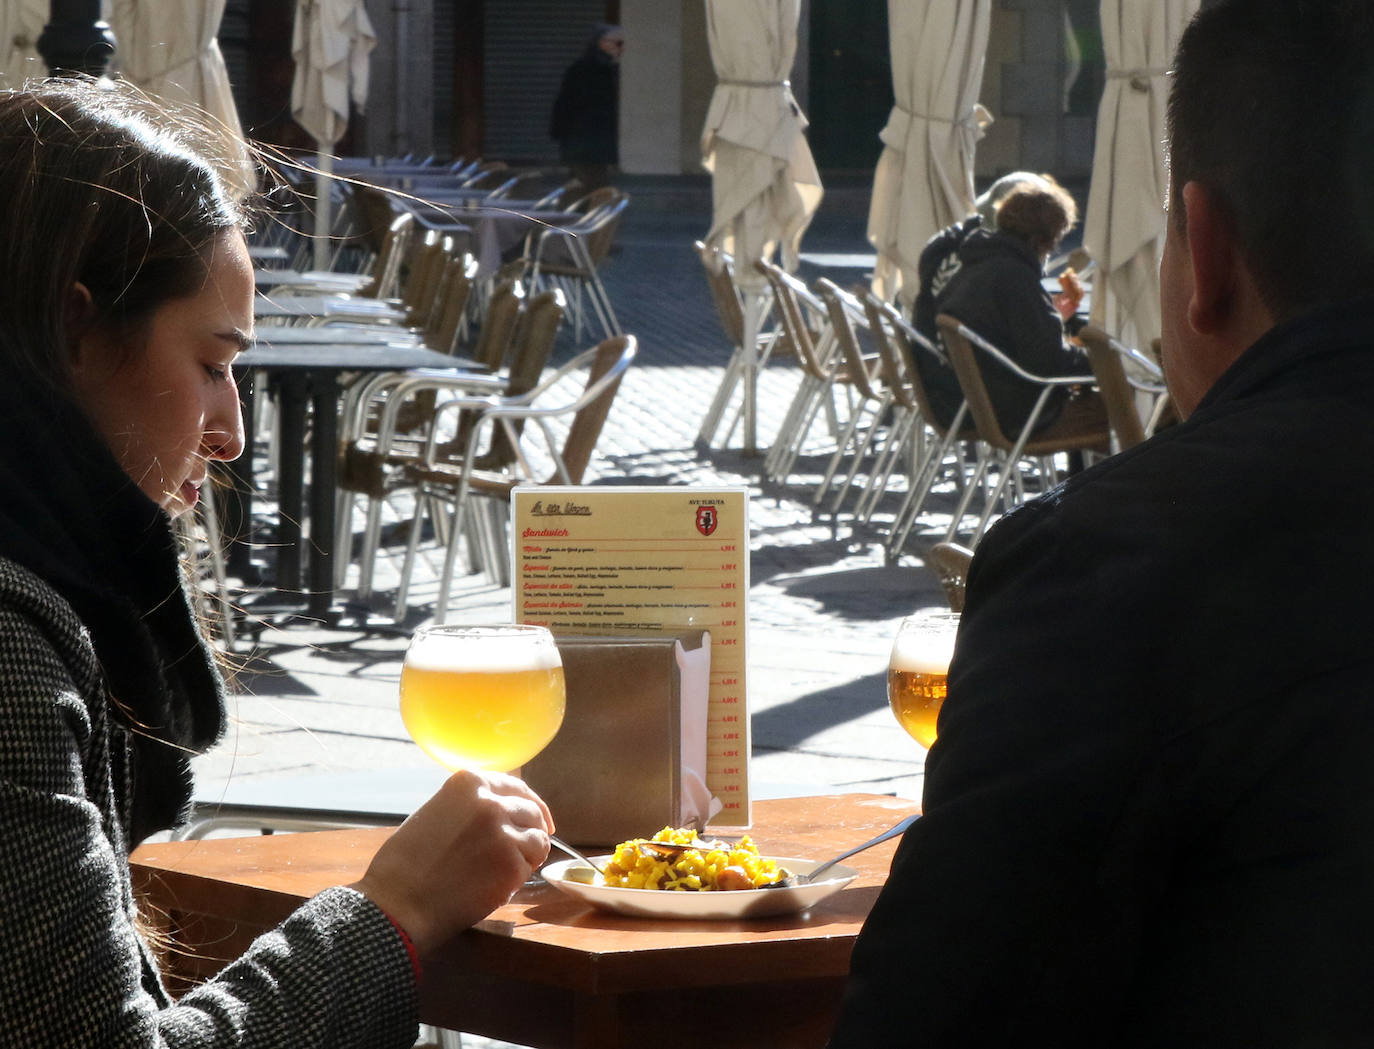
(410, 947)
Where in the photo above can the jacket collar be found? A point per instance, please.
(1324, 331)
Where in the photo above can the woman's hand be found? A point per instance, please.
(459, 856)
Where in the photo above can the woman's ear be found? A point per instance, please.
(79, 321)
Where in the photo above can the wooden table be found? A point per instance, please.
(545, 970)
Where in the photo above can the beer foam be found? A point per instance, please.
(923, 653)
(497, 653)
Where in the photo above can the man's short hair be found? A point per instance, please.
(1272, 110)
(1040, 213)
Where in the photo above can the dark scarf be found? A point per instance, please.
(70, 514)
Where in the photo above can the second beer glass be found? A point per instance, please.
(919, 670)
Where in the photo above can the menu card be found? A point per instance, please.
(602, 560)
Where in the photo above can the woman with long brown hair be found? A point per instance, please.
(125, 293)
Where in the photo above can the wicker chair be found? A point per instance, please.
(461, 483)
(949, 562)
(1083, 427)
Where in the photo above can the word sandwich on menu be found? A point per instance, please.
(653, 561)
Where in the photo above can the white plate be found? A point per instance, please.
(699, 906)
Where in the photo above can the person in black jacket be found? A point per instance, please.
(1147, 814)
(996, 290)
(938, 262)
(586, 113)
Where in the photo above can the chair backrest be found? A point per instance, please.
(487, 173)
(395, 246)
(504, 189)
(375, 214)
(961, 359)
(555, 197)
(386, 267)
(789, 295)
(602, 223)
(597, 198)
(426, 264)
(455, 291)
(723, 291)
(1117, 393)
(608, 365)
(531, 346)
(913, 342)
(892, 361)
(949, 562)
(532, 342)
(838, 305)
(498, 326)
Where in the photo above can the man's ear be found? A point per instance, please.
(1211, 249)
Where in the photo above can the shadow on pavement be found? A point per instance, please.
(788, 725)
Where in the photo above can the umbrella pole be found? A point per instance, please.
(749, 354)
(324, 165)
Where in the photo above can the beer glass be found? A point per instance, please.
(918, 670)
(482, 697)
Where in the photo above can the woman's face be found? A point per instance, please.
(170, 405)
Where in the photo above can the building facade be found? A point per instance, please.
(477, 77)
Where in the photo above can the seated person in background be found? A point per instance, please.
(938, 262)
(996, 290)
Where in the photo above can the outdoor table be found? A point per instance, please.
(306, 371)
(277, 278)
(363, 334)
(367, 168)
(547, 971)
(493, 228)
(324, 307)
(268, 253)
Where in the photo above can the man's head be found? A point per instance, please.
(1271, 132)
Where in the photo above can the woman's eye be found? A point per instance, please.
(216, 372)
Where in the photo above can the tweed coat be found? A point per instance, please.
(74, 970)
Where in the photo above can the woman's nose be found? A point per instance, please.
(224, 438)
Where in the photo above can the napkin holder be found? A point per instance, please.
(630, 757)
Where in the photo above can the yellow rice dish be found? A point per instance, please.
(717, 866)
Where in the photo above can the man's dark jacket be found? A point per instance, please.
(585, 114)
(1149, 816)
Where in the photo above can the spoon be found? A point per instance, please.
(672, 851)
(794, 879)
(563, 846)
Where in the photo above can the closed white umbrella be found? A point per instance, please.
(331, 44)
(1124, 228)
(924, 178)
(765, 187)
(21, 23)
(168, 48)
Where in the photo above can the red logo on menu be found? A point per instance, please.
(706, 519)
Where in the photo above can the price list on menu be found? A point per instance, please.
(652, 561)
